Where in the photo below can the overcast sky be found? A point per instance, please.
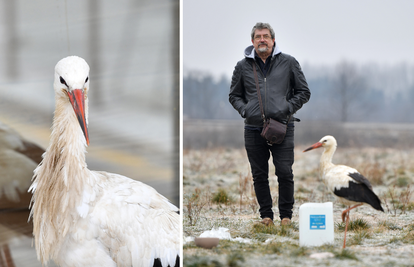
(216, 32)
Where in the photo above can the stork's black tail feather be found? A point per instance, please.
(374, 201)
(360, 192)
(157, 262)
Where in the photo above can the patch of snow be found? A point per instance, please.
(223, 233)
(322, 255)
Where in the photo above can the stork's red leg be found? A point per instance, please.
(347, 211)
(344, 214)
(346, 228)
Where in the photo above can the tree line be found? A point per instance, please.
(345, 92)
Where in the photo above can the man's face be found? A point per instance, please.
(262, 41)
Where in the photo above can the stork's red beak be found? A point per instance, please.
(316, 145)
(77, 99)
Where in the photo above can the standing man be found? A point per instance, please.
(283, 90)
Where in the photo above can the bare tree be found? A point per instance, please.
(349, 87)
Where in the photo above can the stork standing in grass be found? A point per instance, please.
(351, 187)
(89, 218)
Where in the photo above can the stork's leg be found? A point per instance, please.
(346, 228)
(346, 212)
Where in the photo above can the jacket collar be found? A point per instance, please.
(249, 51)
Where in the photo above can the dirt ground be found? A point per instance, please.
(377, 238)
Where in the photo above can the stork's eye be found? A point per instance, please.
(325, 141)
(87, 78)
(62, 81)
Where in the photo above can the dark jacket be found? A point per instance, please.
(284, 89)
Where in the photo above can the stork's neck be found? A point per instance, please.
(326, 159)
(67, 138)
(64, 167)
(59, 180)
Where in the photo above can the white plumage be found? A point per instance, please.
(89, 218)
(351, 187)
(18, 159)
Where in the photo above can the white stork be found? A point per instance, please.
(18, 158)
(351, 187)
(89, 218)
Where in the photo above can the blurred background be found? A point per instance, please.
(357, 56)
(132, 47)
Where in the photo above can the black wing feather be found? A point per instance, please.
(360, 178)
(359, 193)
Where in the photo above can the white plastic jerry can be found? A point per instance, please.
(316, 225)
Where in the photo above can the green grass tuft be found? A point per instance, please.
(408, 238)
(271, 229)
(359, 237)
(403, 181)
(221, 197)
(235, 259)
(389, 225)
(410, 227)
(300, 252)
(274, 247)
(197, 261)
(345, 254)
(354, 225)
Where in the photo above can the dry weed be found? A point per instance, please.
(243, 185)
(194, 205)
(374, 172)
(367, 238)
(400, 200)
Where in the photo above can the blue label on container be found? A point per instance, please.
(317, 222)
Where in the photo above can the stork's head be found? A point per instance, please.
(326, 142)
(72, 83)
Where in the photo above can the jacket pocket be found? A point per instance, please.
(252, 113)
(247, 109)
(280, 110)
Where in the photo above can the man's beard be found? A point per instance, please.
(263, 49)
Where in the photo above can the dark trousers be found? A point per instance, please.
(258, 153)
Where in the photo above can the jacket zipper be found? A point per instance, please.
(265, 87)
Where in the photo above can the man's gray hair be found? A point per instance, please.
(261, 26)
